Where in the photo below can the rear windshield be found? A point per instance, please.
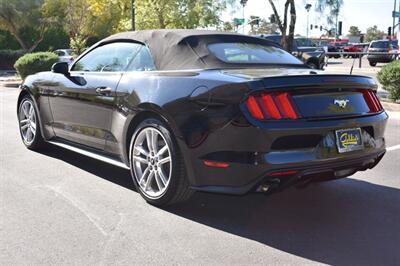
(251, 53)
(380, 45)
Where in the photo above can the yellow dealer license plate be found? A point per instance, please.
(349, 139)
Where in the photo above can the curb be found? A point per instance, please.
(10, 84)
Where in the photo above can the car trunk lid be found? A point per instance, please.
(312, 95)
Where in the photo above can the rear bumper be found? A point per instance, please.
(303, 174)
(380, 58)
(254, 152)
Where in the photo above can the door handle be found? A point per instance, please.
(103, 90)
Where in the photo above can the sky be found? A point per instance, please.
(361, 13)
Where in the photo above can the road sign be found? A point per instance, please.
(396, 14)
(238, 21)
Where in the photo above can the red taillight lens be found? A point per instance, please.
(272, 106)
(372, 101)
(254, 108)
(286, 105)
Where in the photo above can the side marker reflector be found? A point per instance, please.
(215, 164)
(279, 173)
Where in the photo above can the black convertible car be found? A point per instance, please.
(189, 110)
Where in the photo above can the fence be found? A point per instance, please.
(359, 55)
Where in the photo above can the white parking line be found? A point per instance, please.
(395, 147)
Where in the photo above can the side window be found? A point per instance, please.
(111, 57)
(142, 61)
(59, 53)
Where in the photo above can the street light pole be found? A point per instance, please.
(394, 18)
(337, 15)
(243, 3)
(308, 7)
(133, 14)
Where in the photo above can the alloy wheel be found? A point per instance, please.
(27, 122)
(152, 162)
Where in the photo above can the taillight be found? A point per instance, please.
(372, 101)
(272, 106)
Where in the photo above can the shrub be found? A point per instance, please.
(35, 62)
(9, 57)
(389, 77)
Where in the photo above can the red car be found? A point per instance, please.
(352, 48)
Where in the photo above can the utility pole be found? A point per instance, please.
(394, 18)
(308, 7)
(243, 3)
(133, 14)
(337, 15)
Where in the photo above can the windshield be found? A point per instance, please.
(303, 42)
(251, 53)
(383, 44)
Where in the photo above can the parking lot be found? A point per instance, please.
(58, 207)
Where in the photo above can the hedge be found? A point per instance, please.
(9, 57)
(35, 62)
(389, 77)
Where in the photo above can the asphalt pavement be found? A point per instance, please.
(61, 208)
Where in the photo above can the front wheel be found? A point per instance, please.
(29, 127)
(157, 165)
(372, 63)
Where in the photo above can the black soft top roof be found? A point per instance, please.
(174, 49)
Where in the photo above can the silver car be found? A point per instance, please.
(64, 55)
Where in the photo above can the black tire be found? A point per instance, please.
(37, 142)
(372, 63)
(178, 188)
(312, 65)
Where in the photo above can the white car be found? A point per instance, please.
(64, 55)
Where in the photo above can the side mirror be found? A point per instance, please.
(61, 68)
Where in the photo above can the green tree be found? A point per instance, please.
(186, 14)
(227, 26)
(264, 27)
(373, 33)
(287, 32)
(16, 15)
(354, 31)
(330, 9)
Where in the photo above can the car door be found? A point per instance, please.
(82, 103)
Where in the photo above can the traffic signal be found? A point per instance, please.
(320, 28)
(311, 26)
(340, 28)
(389, 31)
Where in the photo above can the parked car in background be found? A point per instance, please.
(381, 51)
(325, 44)
(339, 44)
(65, 55)
(333, 49)
(395, 48)
(352, 48)
(303, 49)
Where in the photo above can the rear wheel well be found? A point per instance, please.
(134, 124)
(21, 96)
